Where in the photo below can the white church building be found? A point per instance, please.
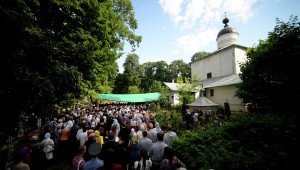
(218, 71)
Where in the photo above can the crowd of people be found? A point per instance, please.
(117, 137)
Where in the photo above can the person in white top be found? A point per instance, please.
(140, 132)
(47, 141)
(82, 136)
(170, 136)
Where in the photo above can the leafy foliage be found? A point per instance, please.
(186, 89)
(147, 75)
(55, 52)
(132, 73)
(133, 90)
(178, 68)
(248, 142)
(199, 55)
(157, 86)
(154, 71)
(269, 72)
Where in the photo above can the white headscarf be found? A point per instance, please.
(117, 124)
(47, 136)
(157, 127)
(132, 131)
(142, 128)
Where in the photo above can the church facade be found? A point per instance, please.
(219, 71)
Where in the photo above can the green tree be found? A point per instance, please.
(161, 71)
(133, 90)
(199, 55)
(187, 90)
(147, 76)
(120, 86)
(152, 71)
(157, 86)
(132, 71)
(53, 52)
(269, 73)
(178, 68)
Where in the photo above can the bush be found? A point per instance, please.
(247, 142)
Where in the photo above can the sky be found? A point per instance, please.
(177, 29)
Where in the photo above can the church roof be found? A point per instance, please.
(176, 87)
(209, 83)
(202, 101)
(221, 81)
(226, 28)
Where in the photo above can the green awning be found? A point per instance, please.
(145, 97)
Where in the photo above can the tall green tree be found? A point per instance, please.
(147, 76)
(270, 70)
(120, 85)
(178, 68)
(133, 89)
(132, 71)
(199, 55)
(161, 71)
(53, 52)
(154, 71)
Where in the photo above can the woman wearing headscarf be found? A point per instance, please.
(49, 154)
(157, 127)
(140, 132)
(98, 137)
(115, 127)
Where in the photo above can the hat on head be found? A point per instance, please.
(94, 149)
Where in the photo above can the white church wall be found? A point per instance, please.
(219, 64)
(197, 70)
(240, 57)
(227, 62)
(226, 93)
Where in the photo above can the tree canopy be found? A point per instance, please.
(199, 55)
(270, 72)
(54, 52)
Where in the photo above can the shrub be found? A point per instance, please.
(247, 142)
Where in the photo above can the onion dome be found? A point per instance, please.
(227, 36)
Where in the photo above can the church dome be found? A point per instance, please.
(227, 36)
(226, 30)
